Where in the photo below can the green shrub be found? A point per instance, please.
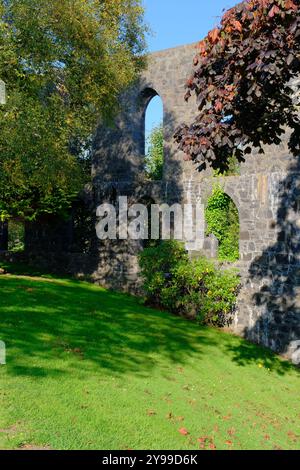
(156, 262)
(222, 220)
(195, 289)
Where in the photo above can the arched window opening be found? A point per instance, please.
(16, 235)
(154, 138)
(222, 219)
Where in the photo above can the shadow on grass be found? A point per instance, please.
(43, 322)
(23, 269)
(246, 353)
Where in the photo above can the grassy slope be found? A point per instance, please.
(91, 369)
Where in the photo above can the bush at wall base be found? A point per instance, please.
(200, 289)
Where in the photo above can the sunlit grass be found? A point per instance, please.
(93, 369)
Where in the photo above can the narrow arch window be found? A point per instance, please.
(154, 138)
(222, 219)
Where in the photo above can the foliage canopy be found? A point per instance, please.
(64, 63)
(242, 80)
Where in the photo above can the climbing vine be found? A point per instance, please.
(223, 221)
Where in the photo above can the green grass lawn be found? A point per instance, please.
(92, 369)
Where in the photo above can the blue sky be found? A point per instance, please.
(178, 22)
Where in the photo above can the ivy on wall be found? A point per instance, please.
(222, 219)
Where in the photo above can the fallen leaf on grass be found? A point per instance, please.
(183, 431)
(229, 443)
(227, 418)
(206, 441)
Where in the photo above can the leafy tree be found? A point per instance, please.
(155, 156)
(242, 80)
(64, 63)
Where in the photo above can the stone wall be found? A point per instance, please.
(266, 194)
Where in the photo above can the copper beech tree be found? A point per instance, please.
(242, 79)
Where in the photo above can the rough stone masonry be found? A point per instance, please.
(266, 193)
